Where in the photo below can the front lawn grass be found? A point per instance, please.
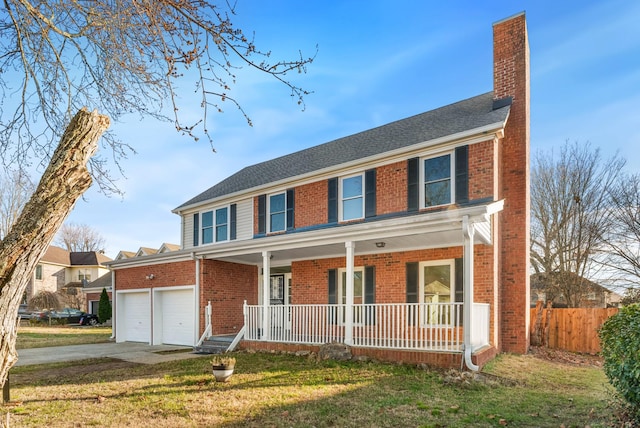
(288, 391)
(46, 336)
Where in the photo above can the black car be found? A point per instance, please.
(89, 319)
(65, 316)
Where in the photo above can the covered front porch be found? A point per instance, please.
(393, 319)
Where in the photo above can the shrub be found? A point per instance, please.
(104, 307)
(620, 339)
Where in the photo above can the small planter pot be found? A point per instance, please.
(222, 373)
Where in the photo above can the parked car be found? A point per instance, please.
(65, 316)
(24, 312)
(89, 319)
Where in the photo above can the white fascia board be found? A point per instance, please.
(476, 135)
(155, 259)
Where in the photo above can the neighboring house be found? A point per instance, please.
(592, 295)
(60, 270)
(407, 242)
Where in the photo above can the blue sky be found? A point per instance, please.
(379, 61)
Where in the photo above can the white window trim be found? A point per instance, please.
(341, 199)
(268, 213)
(213, 226)
(452, 176)
(452, 272)
(452, 285)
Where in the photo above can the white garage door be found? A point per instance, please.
(178, 320)
(134, 318)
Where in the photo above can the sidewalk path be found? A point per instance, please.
(128, 351)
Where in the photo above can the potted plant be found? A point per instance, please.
(222, 367)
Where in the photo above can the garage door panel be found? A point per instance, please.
(177, 319)
(135, 317)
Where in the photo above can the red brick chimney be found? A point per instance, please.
(511, 79)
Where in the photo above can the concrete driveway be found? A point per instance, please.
(127, 351)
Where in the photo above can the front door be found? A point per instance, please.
(279, 297)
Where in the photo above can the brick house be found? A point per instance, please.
(407, 242)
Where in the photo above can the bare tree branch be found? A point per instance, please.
(120, 57)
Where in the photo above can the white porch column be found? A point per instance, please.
(266, 292)
(468, 232)
(348, 311)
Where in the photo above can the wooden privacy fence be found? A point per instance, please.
(571, 329)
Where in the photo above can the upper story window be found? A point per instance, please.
(215, 226)
(39, 272)
(437, 181)
(222, 224)
(352, 198)
(277, 212)
(84, 275)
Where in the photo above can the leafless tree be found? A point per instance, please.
(15, 190)
(120, 57)
(116, 57)
(79, 237)
(570, 216)
(623, 241)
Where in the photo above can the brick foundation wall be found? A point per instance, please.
(443, 360)
(511, 78)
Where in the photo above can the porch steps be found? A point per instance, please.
(215, 344)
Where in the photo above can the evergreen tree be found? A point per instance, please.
(104, 307)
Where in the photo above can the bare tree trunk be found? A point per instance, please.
(64, 181)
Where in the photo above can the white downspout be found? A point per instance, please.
(468, 232)
(197, 294)
(348, 310)
(266, 275)
(113, 304)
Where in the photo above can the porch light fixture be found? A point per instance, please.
(150, 276)
(380, 244)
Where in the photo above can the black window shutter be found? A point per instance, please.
(232, 221)
(333, 286)
(332, 315)
(459, 280)
(370, 294)
(412, 282)
(413, 191)
(332, 192)
(290, 209)
(370, 193)
(462, 174)
(369, 284)
(262, 214)
(196, 229)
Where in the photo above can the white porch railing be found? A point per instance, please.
(207, 319)
(412, 326)
(480, 313)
